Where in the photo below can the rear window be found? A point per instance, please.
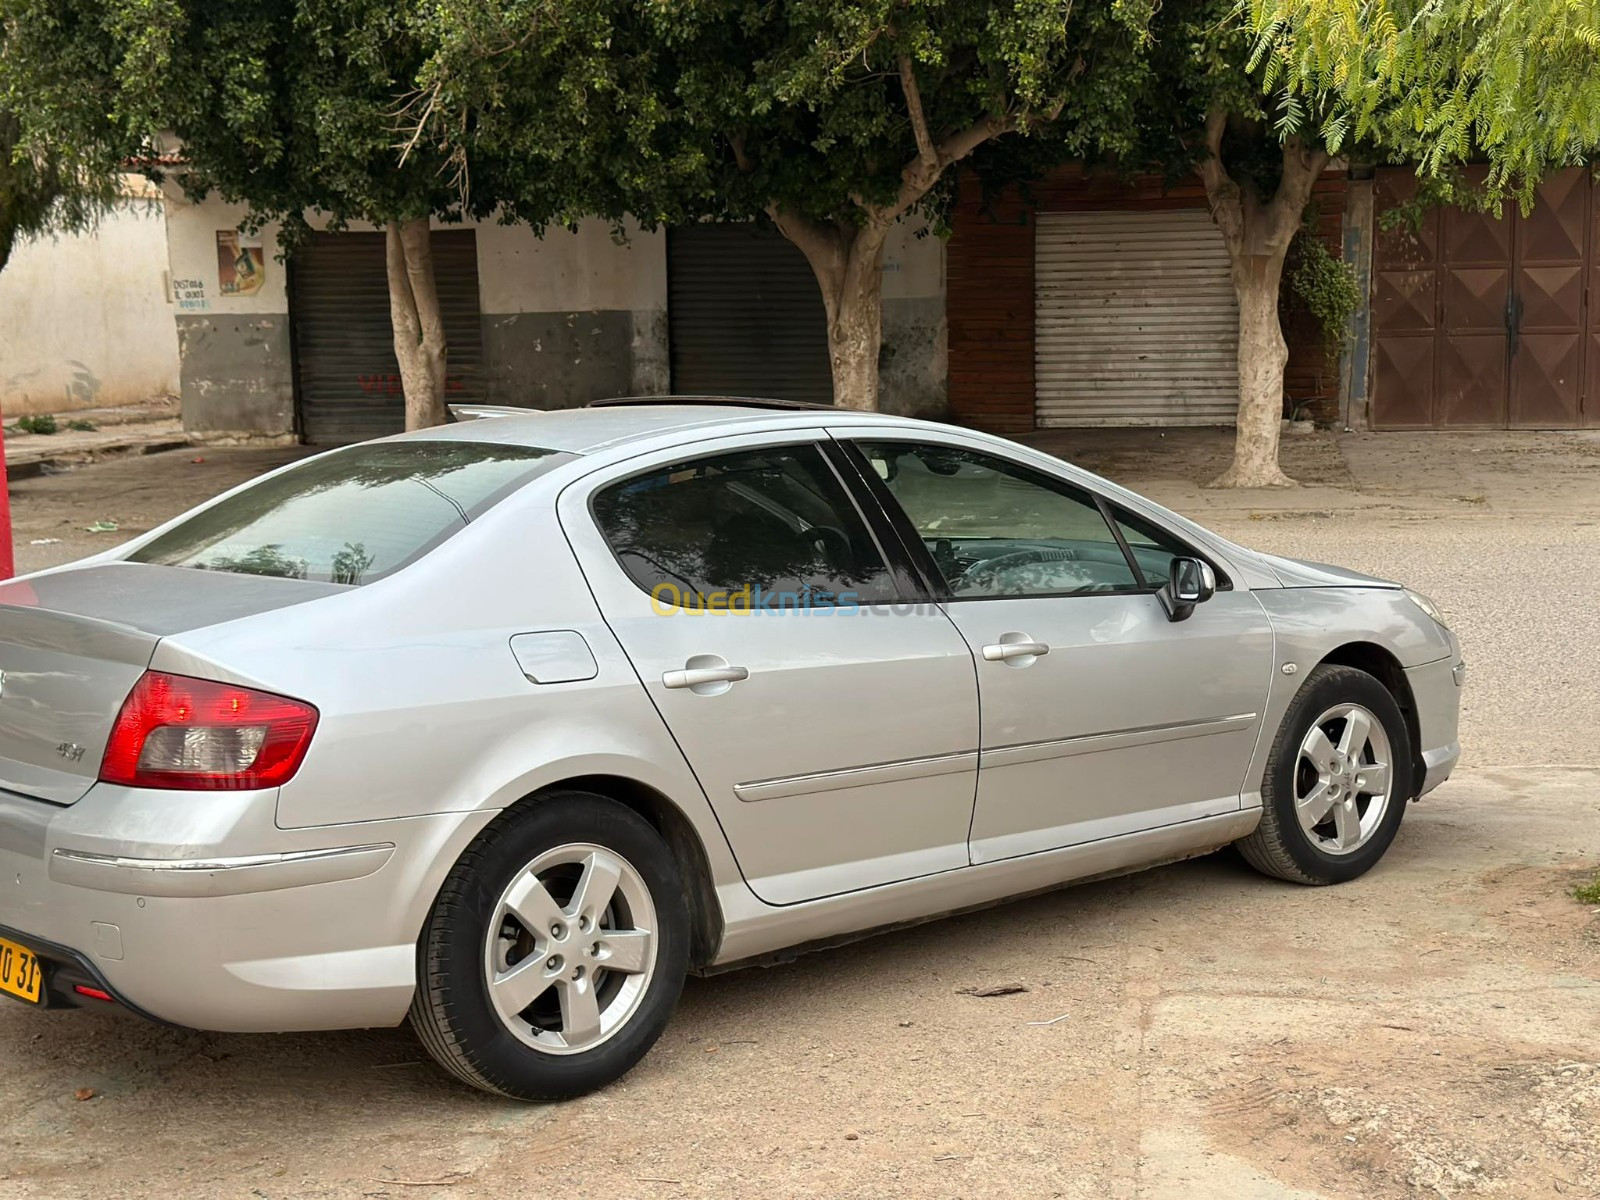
(352, 516)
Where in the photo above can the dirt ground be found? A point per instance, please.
(1196, 1031)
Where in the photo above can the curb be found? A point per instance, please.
(32, 468)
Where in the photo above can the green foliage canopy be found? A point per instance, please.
(53, 176)
(291, 105)
(1440, 81)
(735, 108)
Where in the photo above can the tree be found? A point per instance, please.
(289, 107)
(1439, 82)
(47, 183)
(1201, 108)
(832, 121)
(1258, 179)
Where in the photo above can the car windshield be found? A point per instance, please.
(351, 516)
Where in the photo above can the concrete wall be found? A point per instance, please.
(236, 376)
(84, 319)
(912, 368)
(573, 316)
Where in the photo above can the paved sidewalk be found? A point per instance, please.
(31, 454)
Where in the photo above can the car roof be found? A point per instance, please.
(614, 423)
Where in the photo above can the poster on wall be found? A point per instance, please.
(241, 263)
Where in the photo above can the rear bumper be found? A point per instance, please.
(195, 909)
(1436, 689)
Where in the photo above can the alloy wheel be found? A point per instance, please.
(572, 948)
(1343, 779)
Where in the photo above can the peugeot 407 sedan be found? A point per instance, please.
(504, 727)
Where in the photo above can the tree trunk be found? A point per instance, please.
(419, 344)
(855, 323)
(1257, 233)
(848, 263)
(8, 240)
(1262, 358)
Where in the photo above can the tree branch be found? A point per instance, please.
(919, 119)
(1301, 169)
(1222, 193)
(919, 176)
(740, 158)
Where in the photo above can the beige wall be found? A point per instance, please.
(192, 241)
(85, 320)
(571, 271)
(517, 272)
(913, 267)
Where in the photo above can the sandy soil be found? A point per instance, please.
(1432, 1029)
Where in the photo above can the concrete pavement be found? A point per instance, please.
(1431, 1029)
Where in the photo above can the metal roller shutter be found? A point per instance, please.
(348, 382)
(1135, 320)
(745, 316)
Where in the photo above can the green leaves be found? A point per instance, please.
(1516, 82)
(58, 170)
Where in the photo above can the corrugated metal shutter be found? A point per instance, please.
(745, 316)
(348, 379)
(1135, 320)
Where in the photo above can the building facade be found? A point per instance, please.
(301, 349)
(1084, 300)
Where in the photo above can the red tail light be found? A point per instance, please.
(177, 732)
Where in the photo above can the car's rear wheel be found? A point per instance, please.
(1337, 781)
(555, 951)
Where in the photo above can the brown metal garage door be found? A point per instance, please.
(1483, 322)
(347, 379)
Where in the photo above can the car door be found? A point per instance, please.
(1100, 716)
(833, 727)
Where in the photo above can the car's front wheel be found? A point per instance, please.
(1337, 781)
(555, 951)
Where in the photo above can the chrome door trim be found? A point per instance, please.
(1116, 739)
(849, 777)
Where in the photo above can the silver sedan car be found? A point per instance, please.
(505, 727)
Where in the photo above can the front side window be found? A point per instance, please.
(998, 529)
(352, 516)
(771, 528)
(1152, 548)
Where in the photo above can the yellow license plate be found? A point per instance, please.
(19, 972)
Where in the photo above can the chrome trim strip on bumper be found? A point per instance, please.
(216, 876)
(1090, 743)
(849, 777)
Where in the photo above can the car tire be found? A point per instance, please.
(1292, 841)
(518, 918)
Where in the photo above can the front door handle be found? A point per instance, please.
(705, 675)
(1013, 647)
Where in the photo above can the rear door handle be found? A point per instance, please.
(706, 675)
(1007, 649)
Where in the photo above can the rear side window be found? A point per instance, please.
(757, 529)
(352, 516)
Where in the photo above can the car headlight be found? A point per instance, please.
(1427, 606)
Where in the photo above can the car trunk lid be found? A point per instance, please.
(73, 643)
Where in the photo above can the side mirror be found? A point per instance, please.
(1191, 581)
